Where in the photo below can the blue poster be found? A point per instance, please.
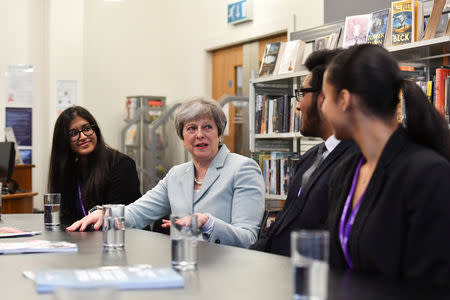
(20, 119)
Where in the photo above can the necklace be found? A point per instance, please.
(198, 182)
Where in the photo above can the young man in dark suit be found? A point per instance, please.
(306, 206)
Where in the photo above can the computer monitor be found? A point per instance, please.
(7, 158)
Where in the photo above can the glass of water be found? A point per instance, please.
(309, 254)
(51, 209)
(183, 235)
(114, 227)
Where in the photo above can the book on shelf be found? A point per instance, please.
(321, 43)
(278, 171)
(447, 99)
(407, 22)
(14, 232)
(356, 30)
(274, 113)
(270, 59)
(124, 278)
(37, 246)
(291, 56)
(433, 22)
(440, 89)
(378, 27)
(328, 41)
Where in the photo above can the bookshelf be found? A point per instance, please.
(430, 53)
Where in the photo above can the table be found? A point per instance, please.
(224, 272)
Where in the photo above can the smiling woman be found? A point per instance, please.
(85, 170)
(224, 189)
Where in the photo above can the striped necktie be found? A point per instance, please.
(307, 175)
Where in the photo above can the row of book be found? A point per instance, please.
(276, 114)
(404, 22)
(278, 169)
(437, 91)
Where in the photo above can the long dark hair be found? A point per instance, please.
(65, 168)
(373, 74)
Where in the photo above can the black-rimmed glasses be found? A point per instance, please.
(300, 93)
(74, 134)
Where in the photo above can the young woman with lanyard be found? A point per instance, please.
(85, 170)
(389, 203)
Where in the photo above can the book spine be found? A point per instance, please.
(280, 113)
(441, 75)
(287, 113)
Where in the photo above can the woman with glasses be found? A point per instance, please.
(85, 170)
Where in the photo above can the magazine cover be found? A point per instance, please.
(127, 278)
(291, 56)
(321, 43)
(378, 27)
(14, 232)
(269, 59)
(356, 30)
(37, 246)
(402, 22)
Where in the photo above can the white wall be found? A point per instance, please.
(22, 34)
(156, 47)
(132, 47)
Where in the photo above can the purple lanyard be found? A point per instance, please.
(79, 197)
(346, 227)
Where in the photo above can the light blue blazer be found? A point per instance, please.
(232, 193)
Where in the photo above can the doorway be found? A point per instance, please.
(232, 68)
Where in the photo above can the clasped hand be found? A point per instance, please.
(201, 220)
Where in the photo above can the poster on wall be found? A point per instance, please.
(66, 94)
(19, 85)
(20, 119)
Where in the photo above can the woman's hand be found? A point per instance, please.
(93, 218)
(201, 220)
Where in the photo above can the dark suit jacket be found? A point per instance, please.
(310, 210)
(402, 228)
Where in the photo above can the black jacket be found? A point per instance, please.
(121, 187)
(402, 228)
(310, 210)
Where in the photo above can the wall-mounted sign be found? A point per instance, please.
(239, 12)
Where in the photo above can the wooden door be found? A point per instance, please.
(225, 63)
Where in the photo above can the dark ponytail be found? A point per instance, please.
(424, 124)
(372, 73)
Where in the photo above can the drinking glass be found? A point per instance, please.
(113, 226)
(52, 202)
(309, 254)
(183, 234)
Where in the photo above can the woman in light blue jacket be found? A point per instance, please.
(224, 189)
